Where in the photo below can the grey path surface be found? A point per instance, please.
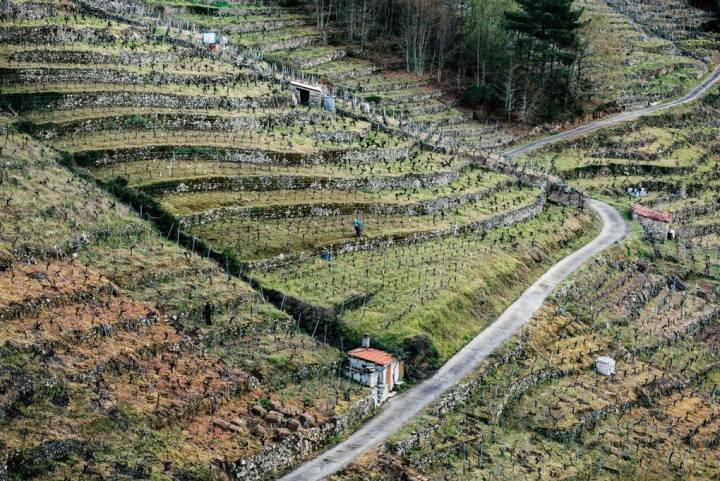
(399, 410)
(700, 89)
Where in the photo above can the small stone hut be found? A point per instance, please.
(655, 224)
(307, 94)
(374, 368)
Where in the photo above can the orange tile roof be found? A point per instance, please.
(643, 211)
(372, 355)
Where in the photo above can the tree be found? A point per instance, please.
(417, 23)
(545, 37)
(323, 12)
(485, 38)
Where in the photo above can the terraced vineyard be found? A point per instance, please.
(635, 57)
(166, 311)
(108, 368)
(673, 157)
(538, 408)
(180, 277)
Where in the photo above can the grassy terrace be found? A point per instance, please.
(10, 51)
(283, 123)
(447, 289)
(647, 151)
(280, 139)
(170, 395)
(148, 172)
(259, 39)
(39, 214)
(341, 66)
(470, 182)
(629, 63)
(70, 21)
(257, 239)
(121, 114)
(254, 22)
(241, 90)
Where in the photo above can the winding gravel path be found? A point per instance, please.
(399, 410)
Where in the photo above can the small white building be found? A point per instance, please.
(605, 365)
(374, 368)
(210, 38)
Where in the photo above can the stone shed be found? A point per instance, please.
(307, 94)
(655, 224)
(374, 368)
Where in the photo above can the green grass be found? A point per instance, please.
(447, 289)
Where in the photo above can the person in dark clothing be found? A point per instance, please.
(358, 224)
(207, 313)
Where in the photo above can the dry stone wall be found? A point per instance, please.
(428, 207)
(28, 11)
(298, 182)
(55, 34)
(237, 154)
(119, 98)
(175, 121)
(85, 57)
(15, 76)
(290, 43)
(299, 446)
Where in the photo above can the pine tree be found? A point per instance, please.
(546, 38)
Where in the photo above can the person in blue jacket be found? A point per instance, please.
(358, 224)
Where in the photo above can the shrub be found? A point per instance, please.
(136, 121)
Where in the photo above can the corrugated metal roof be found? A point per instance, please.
(643, 211)
(371, 355)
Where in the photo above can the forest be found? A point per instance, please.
(518, 60)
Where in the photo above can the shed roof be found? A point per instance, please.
(305, 86)
(649, 213)
(371, 355)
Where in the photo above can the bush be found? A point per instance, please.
(373, 99)
(136, 121)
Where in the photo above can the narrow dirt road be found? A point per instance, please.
(398, 411)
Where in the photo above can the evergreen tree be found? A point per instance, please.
(546, 40)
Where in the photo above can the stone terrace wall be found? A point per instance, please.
(563, 194)
(118, 98)
(690, 231)
(28, 10)
(428, 207)
(175, 121)
(300, 446)
(296, 182)
(237, 154)
(696, 211)
(54, 34)
(93, 58)
(21, 76)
